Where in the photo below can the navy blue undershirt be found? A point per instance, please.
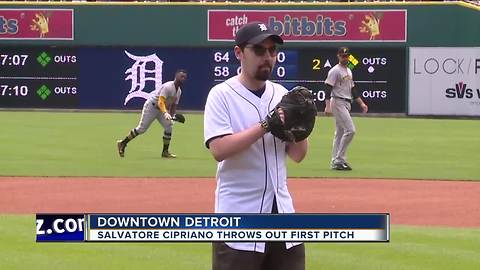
(258, 92)
(274, 207)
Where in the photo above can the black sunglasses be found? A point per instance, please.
(260, 50)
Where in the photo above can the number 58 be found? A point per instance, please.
(221, 71)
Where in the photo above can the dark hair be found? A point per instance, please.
(181, 70)
(343, 50)
(242, 46)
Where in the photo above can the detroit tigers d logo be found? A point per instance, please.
(139, 75)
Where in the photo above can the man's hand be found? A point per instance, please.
(328, 108)
(167, 116)
(281, 114)
(364, 107)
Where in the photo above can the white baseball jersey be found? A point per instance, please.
(169, 92)
(248, 181)
(341, 79)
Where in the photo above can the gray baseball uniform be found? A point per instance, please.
(151, 111)
(341, 80)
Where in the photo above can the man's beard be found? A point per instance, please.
(262, 73)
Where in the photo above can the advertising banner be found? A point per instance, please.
(444, 81)
(314, 25)
(52, 24)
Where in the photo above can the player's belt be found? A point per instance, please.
(346, 99)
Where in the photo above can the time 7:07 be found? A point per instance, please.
(16, 59)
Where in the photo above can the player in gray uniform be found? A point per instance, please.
(340, 92)
(161, 106)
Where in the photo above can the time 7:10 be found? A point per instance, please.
(16, 59)
(21, 90)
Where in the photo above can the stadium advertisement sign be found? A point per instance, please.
(52, 24)
(314, 25)
(444, 81)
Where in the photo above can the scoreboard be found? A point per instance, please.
(122, 78)
(41, 77)
(379, 74)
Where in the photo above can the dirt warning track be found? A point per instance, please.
(410, 202)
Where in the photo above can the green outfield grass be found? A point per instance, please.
(409, 248)
(83, 144)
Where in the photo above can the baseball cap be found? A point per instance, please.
(343, 51)
(255, 33)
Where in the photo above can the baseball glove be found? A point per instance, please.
(299, 109)
(179, 118)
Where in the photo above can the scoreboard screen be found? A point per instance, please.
(379, 74)
(122, 78)
(41, 77)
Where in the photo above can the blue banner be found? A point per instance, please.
(238, 221)
(60, 227)
(122, 78)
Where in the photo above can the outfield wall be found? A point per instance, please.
(94, 55)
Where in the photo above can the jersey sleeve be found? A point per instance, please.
(165, 91)
(331, 77)
(216, 118)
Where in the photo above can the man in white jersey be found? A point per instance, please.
(340, 92)
(251, 173)
(161, 105)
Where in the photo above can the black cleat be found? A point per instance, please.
(167, 154)
(341, 167)
(121, 148)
